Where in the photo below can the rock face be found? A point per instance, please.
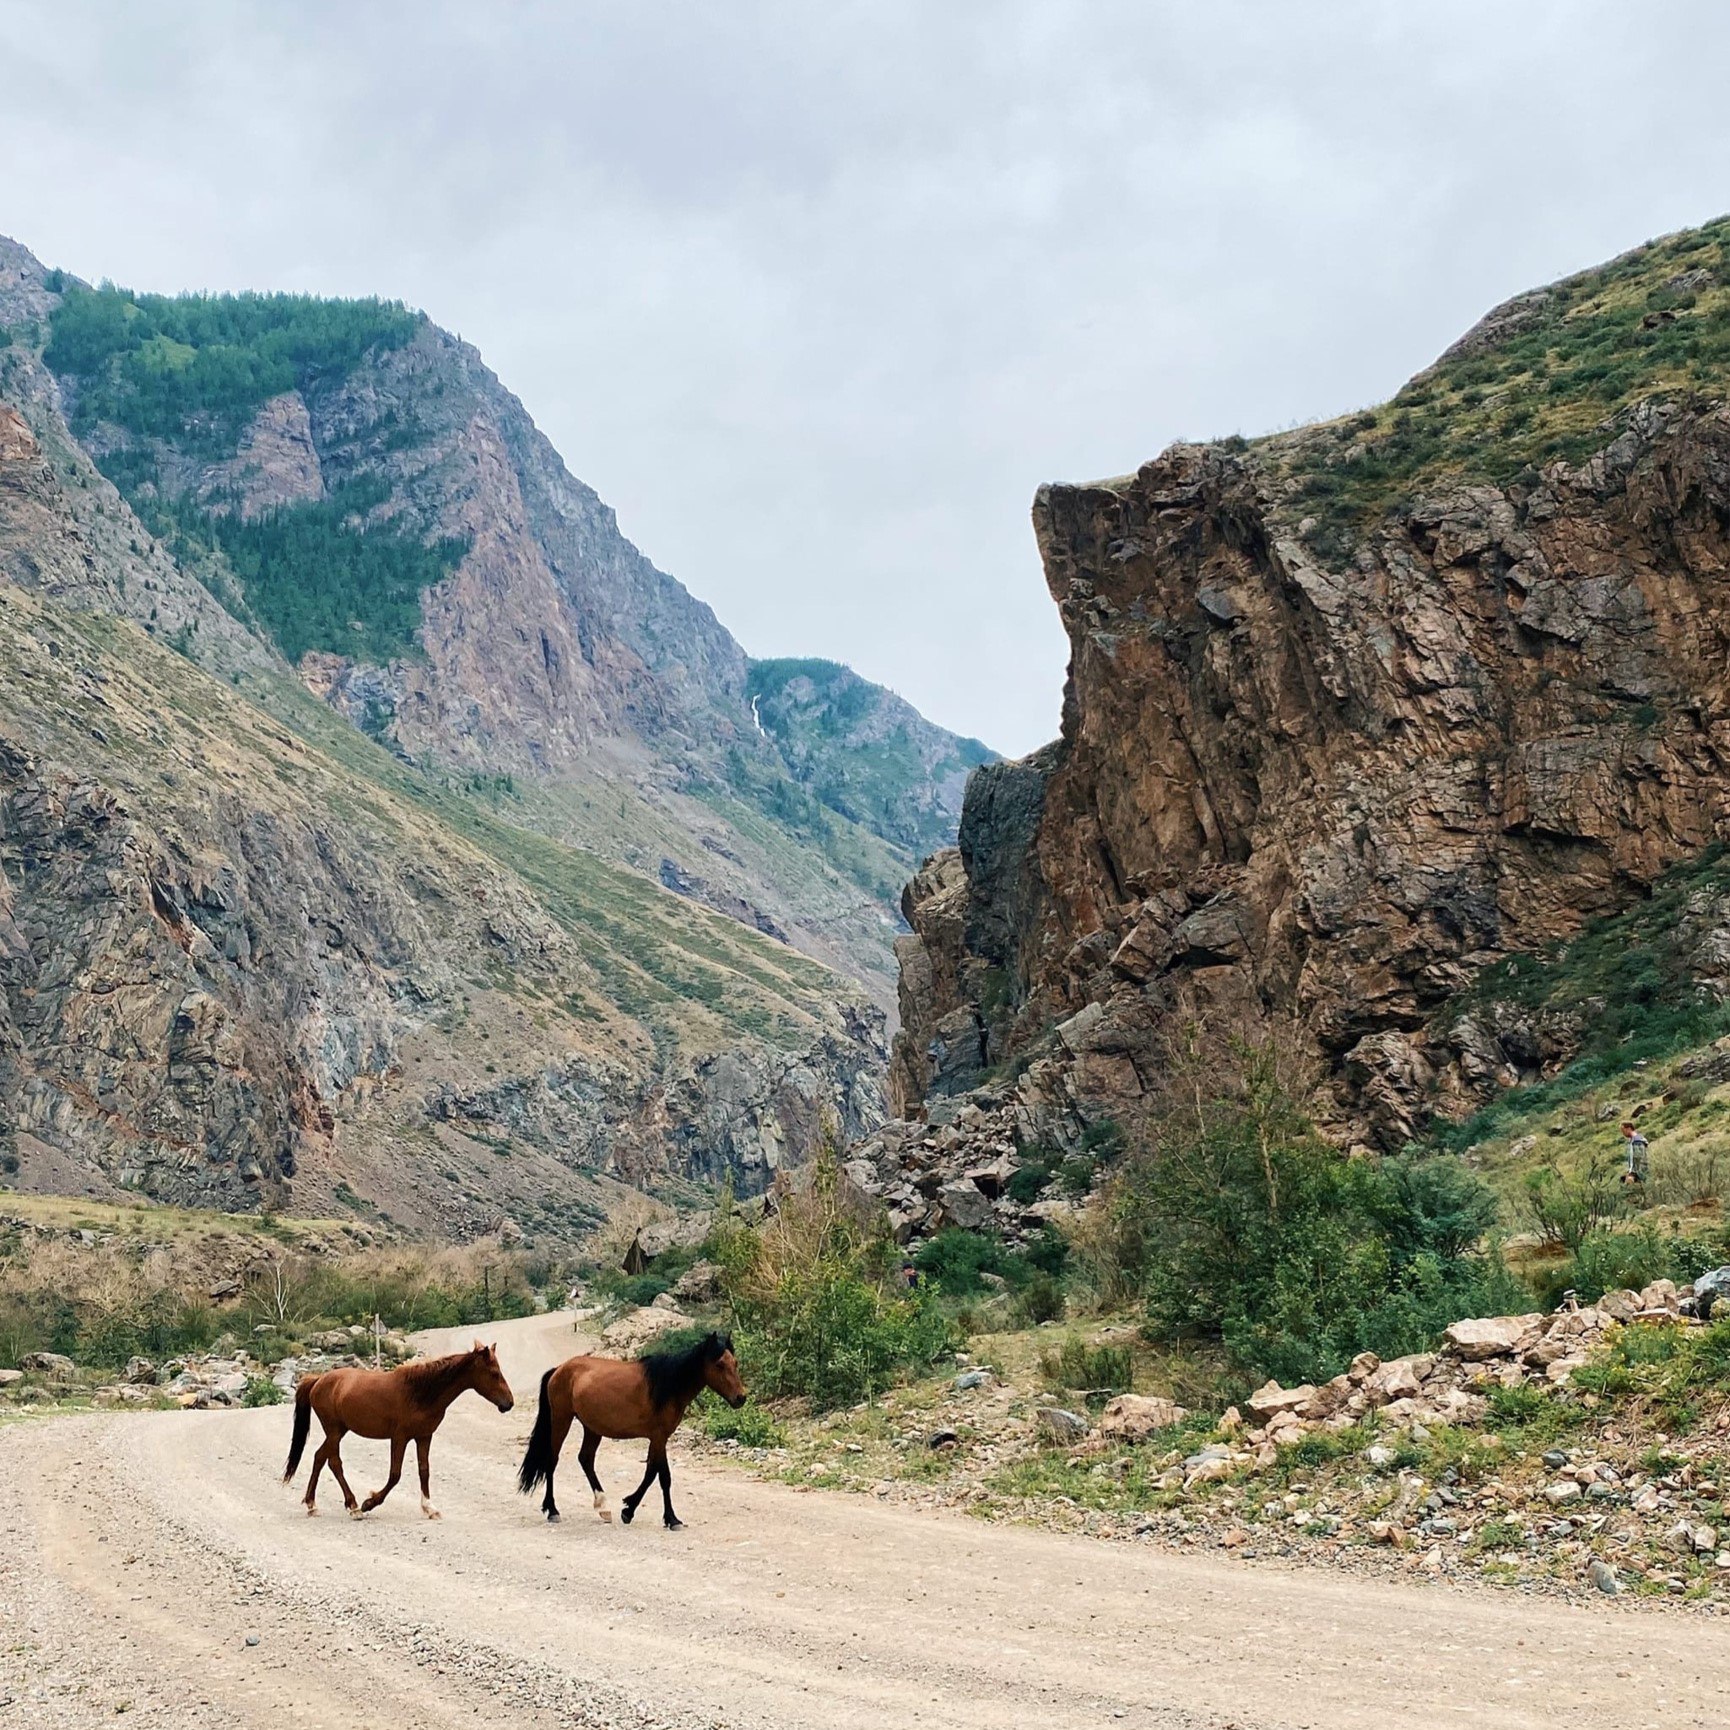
(1328, 789)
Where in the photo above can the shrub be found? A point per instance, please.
(818, 1303)
(954, 1259)
(1235, 1222)
(1039, 1300)
(1088, 1368)
(262, 1391)
(1610, 1260)
(1566, 1207)
(1030, 1181)
(751, 1426)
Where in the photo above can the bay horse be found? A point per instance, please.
(618, 1399)
(399, 1406)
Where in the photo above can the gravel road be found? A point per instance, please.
(154, 1566)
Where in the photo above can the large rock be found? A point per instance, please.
(1270, 1399)
(700, 1283)
(1493, 1336)
(1322, 764)
(1057, 1424)
(54, 1365)
(964, 1205)
(1134, 1417)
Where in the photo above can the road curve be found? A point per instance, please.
(154, 1565)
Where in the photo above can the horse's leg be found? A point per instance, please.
(672, 1520)
(398, 1447)
(651, 1471)
(326, 1449)
(318, 1460)
(560, 1429)
(586, 1459)
(423, 1453)
(333, 1446)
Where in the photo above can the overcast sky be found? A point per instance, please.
(816, 294)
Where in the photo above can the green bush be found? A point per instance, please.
(954, 1259)
(262, 1391)
(818, 1302)
(1567, 1207)
(1030, 1181)
(1077, 1365)
(1236, 1223)
(752, 1426)
(1606, 1260)
(1039, 1300)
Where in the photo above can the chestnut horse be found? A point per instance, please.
(616, 1399)
(399, 1406)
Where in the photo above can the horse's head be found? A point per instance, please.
(721, 1369)
(489, 1379)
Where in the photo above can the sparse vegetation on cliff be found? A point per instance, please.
(1534, 383)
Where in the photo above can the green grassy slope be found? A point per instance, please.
(1535, 383)
(858, 749)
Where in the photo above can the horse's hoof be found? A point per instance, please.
(357, 1513)
(312, 1513)
(625, 1514)
(675, 1525)
(552, 1516)
(432, 1513)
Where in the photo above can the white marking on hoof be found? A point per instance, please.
(311, 1512)
(602, 1509)
(429, 1510)
(357, 1513)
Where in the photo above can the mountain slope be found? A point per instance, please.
(355, 484)
(865, 752)
(1355, 715)
(250, 956)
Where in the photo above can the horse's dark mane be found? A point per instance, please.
(434, 1375)
(676, 1377)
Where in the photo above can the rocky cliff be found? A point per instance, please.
(1353, 714)
(252, 955)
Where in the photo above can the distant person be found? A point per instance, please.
(1637, 1148)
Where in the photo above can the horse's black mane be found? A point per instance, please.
(678, 1376)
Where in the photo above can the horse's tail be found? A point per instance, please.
(538, 1461)
(302, 1423)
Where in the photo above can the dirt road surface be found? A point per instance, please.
(153, 1566)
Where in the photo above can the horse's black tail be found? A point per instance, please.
(538, 1461)
(302, 1423)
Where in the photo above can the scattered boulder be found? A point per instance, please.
(1135, 1417)
(700, 1283)
(965, 1205)
(635, 1328)
(1491, 1336)
(968, 1380)
(1270, 1398)
(1059, 1425)
(140, 1372)
(8, 1377)
(54, 1365)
